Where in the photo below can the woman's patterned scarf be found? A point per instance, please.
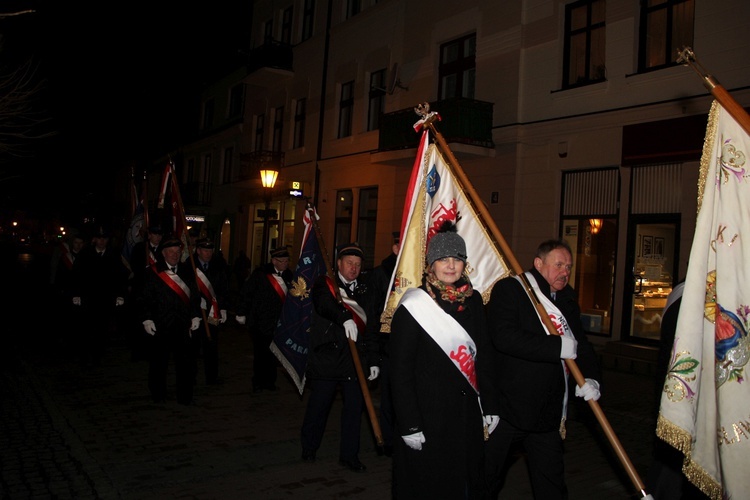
(452, 295)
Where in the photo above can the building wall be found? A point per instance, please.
(539, 131)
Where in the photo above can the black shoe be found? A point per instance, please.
(257, 390)
(216, 381)
(353, 465)
(271, 388)
(308, 456)
(388, 450)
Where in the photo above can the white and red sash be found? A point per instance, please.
(204, 285)
(562, 327)
(176, 284)
(358, 314)
(277, 287)
(445, 331)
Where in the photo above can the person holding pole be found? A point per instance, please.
(343, 307)
(439, 365)
(533, 379)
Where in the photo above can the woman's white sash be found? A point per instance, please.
(444, 330)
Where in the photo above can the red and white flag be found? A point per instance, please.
(434, 196)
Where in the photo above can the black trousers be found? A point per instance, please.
(319, 407)
(264, 362)
(208, 348)
(544, 456)
(164, 345)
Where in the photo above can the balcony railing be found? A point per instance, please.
(252, 163)
(464, 121)
(272, 54)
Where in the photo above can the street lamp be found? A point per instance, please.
(268, 179)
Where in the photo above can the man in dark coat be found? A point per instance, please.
(213, 283)
(99, 287)
(263, 295)
(330, 364)
(533, 385)
(143, 255)
(170, 312)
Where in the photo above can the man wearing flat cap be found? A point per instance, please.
(263, 295)
(213, 283)
(330, 364)
(170, 313)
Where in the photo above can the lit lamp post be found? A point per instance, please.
(268, 179)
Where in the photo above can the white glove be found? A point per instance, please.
(203, 303)
(374, 372)
(414, 441)
(119, 301)
(568, 348)
(590, 390)
(491, 422)
(149, 326)
(76, 301)
(350, 327)
(240, 319)
(223, 313)
(196, 323)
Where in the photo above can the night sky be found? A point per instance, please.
(120, 84)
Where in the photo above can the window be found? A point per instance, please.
(236, 95)
(268, 31)
(353, 7)
(226, 176)
(259, 124)
(278, 128)
(344, 201)
(300, 114)
(190, 170)
(377, 99)
(666, 27)
(204, 189)
(458, 68)
(308, 12)
(366, 222)
(584, 43)
(286, 26)
(346, 109)
(208, 114)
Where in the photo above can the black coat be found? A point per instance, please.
(330, 356)
(99, 280)
(217, 274)
(162, 305)
(531, 379)
(260, 302)
(432, 396)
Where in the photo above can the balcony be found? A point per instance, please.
(252, 163)
(265, 64)
(464, 121)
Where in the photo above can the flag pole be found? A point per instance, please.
(687, 57)
(184, 236)
(352, 345)
(146, 220)
(481, 209)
